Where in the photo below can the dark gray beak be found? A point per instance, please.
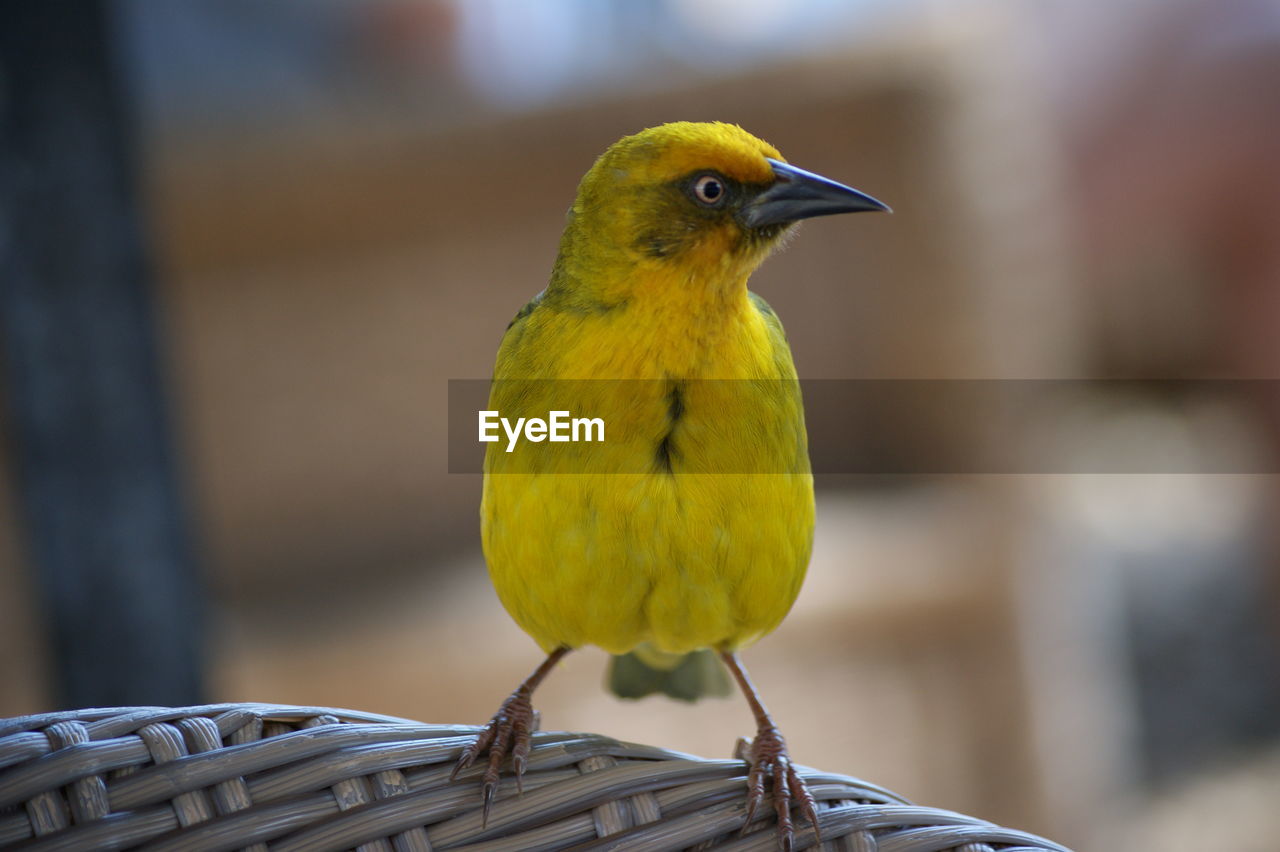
(797, 194)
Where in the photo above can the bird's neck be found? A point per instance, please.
(655, 321)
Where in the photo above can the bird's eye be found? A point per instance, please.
(709, 190)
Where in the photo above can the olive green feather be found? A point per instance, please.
(699, 674)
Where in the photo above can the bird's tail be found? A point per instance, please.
(688, 677)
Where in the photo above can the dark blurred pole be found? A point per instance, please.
(105, 528)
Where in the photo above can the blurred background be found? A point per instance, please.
(244, 245)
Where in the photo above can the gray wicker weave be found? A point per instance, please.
(263, 776)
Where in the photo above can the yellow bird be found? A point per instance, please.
(685, 534)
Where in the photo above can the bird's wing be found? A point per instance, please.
(783, 365)
(510, 362)
(770, 318)
(529, 308)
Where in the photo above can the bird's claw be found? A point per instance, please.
(767, 757)
(509, 731)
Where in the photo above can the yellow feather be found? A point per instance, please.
(611, 544)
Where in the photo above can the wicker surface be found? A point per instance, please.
(261, 776)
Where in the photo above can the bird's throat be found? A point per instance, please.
(687, 330)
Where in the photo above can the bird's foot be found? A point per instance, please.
(767, 758)
(510, 730)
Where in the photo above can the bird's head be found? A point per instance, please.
(708, 200)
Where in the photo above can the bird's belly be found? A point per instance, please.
(682, 561)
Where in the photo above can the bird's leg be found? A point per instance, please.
(509, 729)
(767, 758)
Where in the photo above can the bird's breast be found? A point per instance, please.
(690, 524)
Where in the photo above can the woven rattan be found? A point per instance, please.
(269, 777)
